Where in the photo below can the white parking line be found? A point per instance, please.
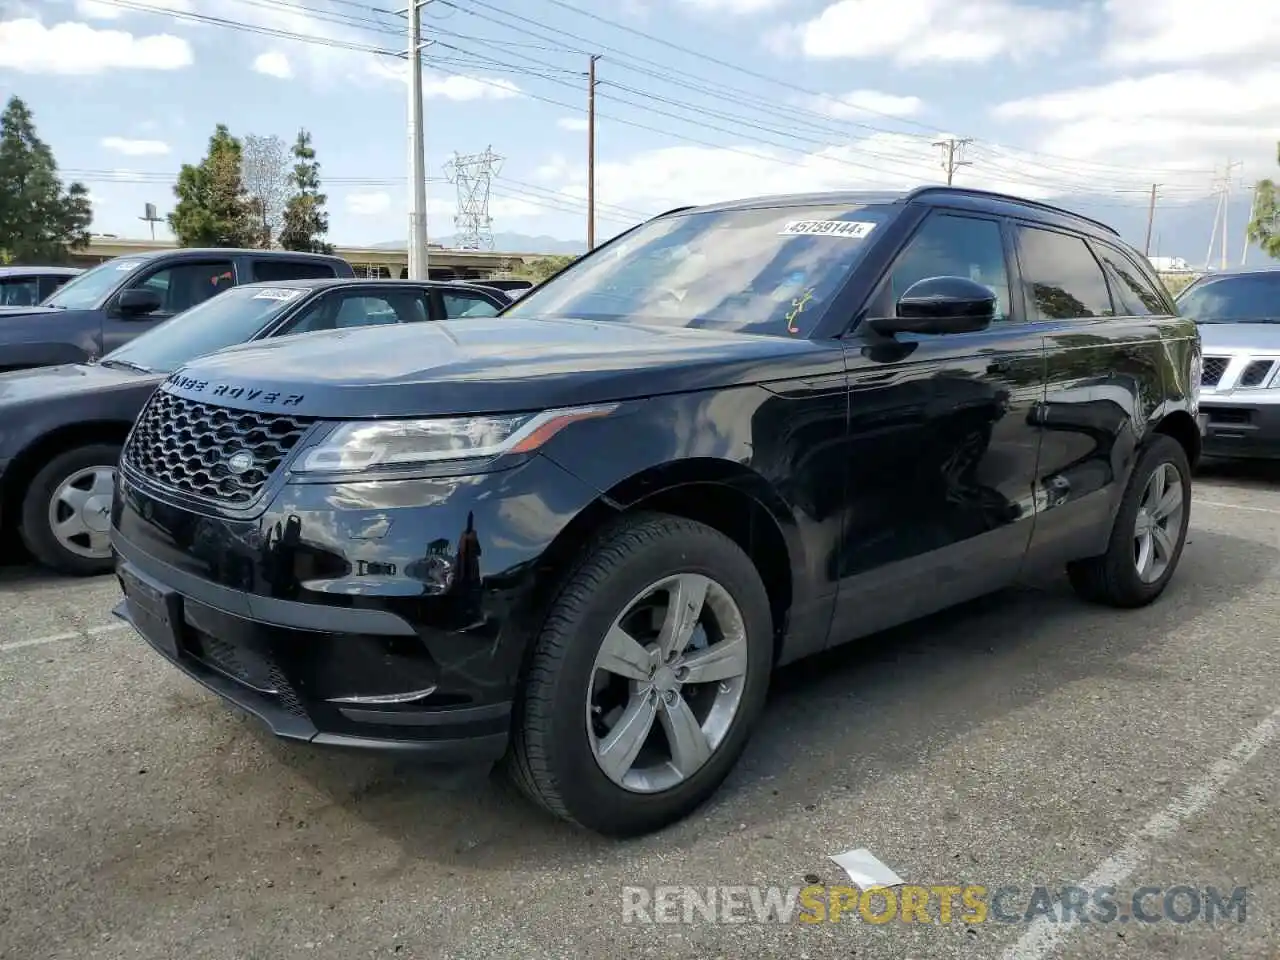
(1235, 506)
(1043, 936)
(56, 637)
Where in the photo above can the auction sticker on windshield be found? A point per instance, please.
(283, 295)
(853, 229)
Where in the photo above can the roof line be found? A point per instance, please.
(1009, 198)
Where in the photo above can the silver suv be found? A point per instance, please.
(1238, 312)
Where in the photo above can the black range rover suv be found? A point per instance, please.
(580, 535)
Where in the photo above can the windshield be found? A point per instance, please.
(88, 289)
(765, 271)
(232, 317)
(1250, 298)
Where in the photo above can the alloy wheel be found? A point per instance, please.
(667, 683)
(1159, 523)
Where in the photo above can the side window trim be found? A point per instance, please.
(1088, 245)
(139, 278)
(1007, 247)
(1155, 286)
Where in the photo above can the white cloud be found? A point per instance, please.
(469, 88)
(98, 10)
(736, 7)
(368, 204)
(446, 86)
(1187, 31)
(917, 31)
(78, 49)
(1179, 120)
(136, 148)
(576, 124)
(861, 103)
(273, 63)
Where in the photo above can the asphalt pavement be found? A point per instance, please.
(1026, 741)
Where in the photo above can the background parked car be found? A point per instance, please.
(107, 306)
(27, 286)
(61, 427)
(1238, 312)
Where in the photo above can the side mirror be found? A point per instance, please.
(138, 302)
(941, 305)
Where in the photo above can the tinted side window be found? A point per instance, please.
(341, 311)
(1129, 286)
(183, 285)
(1063, 280)
(49, 284)
(459, 304)
(19, 292)
(274, 269)
(953, 246)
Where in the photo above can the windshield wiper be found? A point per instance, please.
(126, 364)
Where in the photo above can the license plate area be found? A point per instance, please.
(156, 610)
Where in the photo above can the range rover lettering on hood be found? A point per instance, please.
(226, 391)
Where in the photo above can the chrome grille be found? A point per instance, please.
(186, 445)
(1255, 374)
(1214, 368)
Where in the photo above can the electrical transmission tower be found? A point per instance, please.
(473, 174)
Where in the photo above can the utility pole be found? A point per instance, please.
(591, 152)
(417, 252)
(1151, 219)
(1226, 203)
(952, 151)
(1253, 212)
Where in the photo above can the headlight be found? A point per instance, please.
(391, 444)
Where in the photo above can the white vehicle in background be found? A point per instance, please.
(1238, 312)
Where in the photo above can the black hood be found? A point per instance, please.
(69, 380)
(489, 365)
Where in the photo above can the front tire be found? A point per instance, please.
(648, 675)
(65, 517)
(1149, 533)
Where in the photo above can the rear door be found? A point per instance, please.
(457, 303)
(942, 455)
(351, 307)
(1105, 380)
(275, 269)
(181, 285)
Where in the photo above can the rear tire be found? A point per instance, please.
(601, 658)
(66, 511)
(1148, 535)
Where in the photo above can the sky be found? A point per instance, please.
(697, 100)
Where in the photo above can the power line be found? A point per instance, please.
(901, 164)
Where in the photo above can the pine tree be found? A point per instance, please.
(39, 221)
(213, 209)
(305, 221)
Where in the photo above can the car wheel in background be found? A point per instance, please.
(1149, 532)
(65, 517)
(646, 679)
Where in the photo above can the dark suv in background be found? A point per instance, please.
(106, 307)
(582, 534)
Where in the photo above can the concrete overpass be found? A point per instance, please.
(367, 261)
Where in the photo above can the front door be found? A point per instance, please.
(180, 285)
(942, 453)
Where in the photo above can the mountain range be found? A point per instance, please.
(1180, 229)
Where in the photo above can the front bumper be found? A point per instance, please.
(1241, 427)
(377, 615)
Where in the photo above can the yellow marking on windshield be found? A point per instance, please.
(797, 308)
